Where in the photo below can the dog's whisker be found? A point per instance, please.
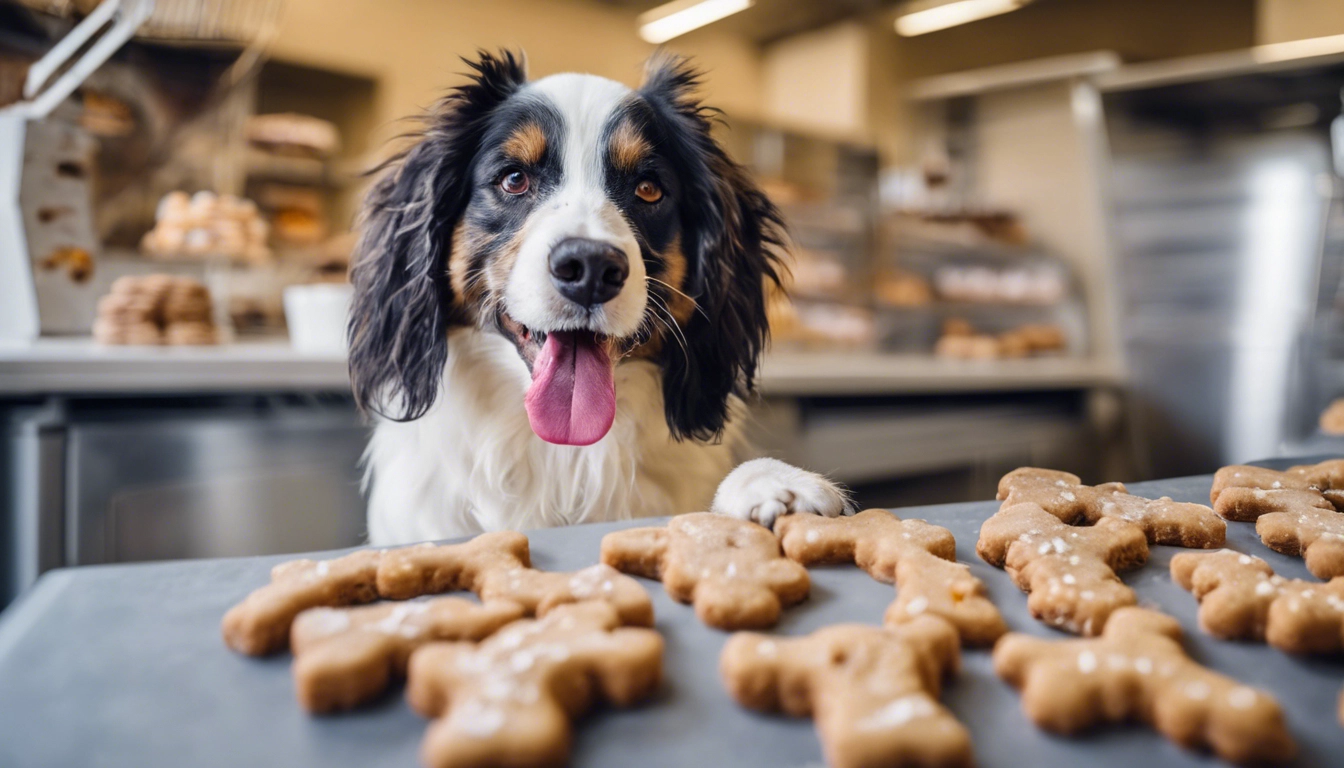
(694, 304)
(670, 324)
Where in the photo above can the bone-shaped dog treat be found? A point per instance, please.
(1240, 598)
(1245, 493)
(1068, 571)
(345, 656)
(429, 569)
(496, 566)
(1234, 498)
(510, 700)
(918, 556)
(1296, 512)
(1063, 495)
(872, 693)
(1316, 535)
(731, 570)
(260, 623)
(541, 591)
(1137, 670)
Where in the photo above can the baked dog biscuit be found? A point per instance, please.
(1137, 670)
(1245, 493)
(497, 566)
(1314, 534)
(260, 623)
(509, 701)
(918, 556)
(731, 570)
(872, 693)
(541, 591)
(344, 657)
(1063, 495)
(1240, 598)
(1296, 512)
(430, 569)
(1069, 572)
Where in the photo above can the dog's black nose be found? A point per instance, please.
(588, 272)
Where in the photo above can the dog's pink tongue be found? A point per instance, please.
(572, 400)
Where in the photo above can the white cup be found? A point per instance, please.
(317, 315)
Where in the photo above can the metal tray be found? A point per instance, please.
(124, 666)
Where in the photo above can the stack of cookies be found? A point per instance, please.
(155, 309)
(207, 225)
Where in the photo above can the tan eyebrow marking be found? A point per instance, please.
(527, 144)
(628, 147)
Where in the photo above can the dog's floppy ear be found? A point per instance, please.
(732, 237)
(403, 302)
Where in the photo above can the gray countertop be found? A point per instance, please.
(124, 666)
(80, 366)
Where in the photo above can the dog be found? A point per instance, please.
(559, 307)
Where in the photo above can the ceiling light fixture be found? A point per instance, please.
(676, 19)
(921, 17)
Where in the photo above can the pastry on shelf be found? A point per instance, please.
(902, 288)
(961, 341)
(294, 135)
(207, 225)
(1332, 418)
(156, 309)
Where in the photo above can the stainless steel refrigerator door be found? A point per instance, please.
(164, 486)
(1218, 239)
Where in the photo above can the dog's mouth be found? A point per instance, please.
(572, 398)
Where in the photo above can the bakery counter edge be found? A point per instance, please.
(79, 365)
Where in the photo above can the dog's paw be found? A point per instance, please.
(764, 489)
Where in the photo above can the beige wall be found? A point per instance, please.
(412, 46)
(817, 82)
(1278, 21)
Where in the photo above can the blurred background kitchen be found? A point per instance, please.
(1098, 235)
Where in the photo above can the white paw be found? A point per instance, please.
(764, 489)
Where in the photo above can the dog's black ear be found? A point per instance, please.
(403, 303)
(732, 236)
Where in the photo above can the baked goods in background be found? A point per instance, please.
(206, 225)
(293, 135)
(1332, 418)
(961, 341)
(872, 693)
(902, 288)
(156, 309)
(296, 213)
(1137, 671)
(1038, 285)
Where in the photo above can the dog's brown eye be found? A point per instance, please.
(515, 183)
(648, 192)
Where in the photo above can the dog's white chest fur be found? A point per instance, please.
(473, 464)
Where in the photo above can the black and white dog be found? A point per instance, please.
(559, 307)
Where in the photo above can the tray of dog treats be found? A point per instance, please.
(1187, 622)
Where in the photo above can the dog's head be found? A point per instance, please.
(586, 223)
